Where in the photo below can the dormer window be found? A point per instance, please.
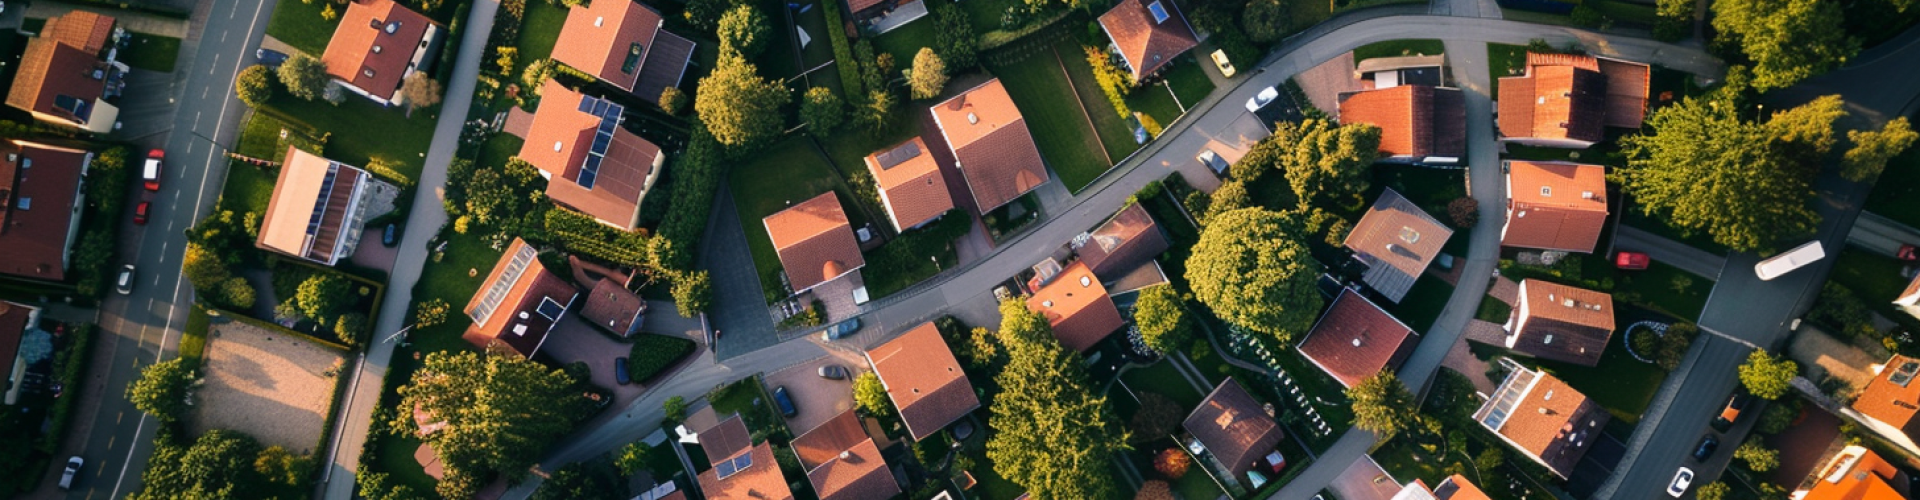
(376, 49)
(393, 27)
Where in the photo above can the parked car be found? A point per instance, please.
(1632, 261)
(391, 235)
(785, 402)
(841, 330)
(1681, 480)
(620, 374)
(124, 284)
(1262, 99)
(1735, 405)
(1220, 60)
(1908, 252)
(1214, 162)
(150, 173)
(73, 469)
(270, 58)
(1705, 450)
(833, 372)
(140, 212)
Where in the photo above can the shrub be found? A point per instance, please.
(1113, 82)
(351, 327)
(673, 101)
(1465, 212)
(430, 313)
(384, 169)
(582, 234)
(1157, 417)
(304, 76)
(1173, 462)
(929, 74)
(843, 51)
(871, 395)
(255, 85)
(692, 293)
(954, 39)
(652, 354)
(822, 111)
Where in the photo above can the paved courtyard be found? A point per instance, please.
(274, 387)
(817, 399)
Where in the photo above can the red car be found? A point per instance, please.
(140, 212)
(1631, 260)
(150, 172)
(1907, 253)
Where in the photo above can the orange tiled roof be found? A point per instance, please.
(1891, 396)
(37, 208)
(600, 37)
(516, 289)
(1857, 473)
(990, 144)
(1555, 205)
(1356, 339)
(1415, 121)
(559, 143)
(842, 461)
(1078, 308)
(85, 30)
(363, 52)
(1562, 323)
(1234, 427)
(49, 70)
(910, 183)
(924, 380)
(1147, 43)
(1553, 423)
(814, 241)
(1566, 96)
(1911, 295)
(1457, 487)
(759, 481)
(1396, 239)
(1122, 243)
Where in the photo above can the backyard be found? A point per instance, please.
(1660, 287)
(358, 130)
(789, 172)
(300, 24)
(1621, 384)
(1077, 151)
(1184, 84)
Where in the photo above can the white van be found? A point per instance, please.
(1790, 260)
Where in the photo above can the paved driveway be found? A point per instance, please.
(817, 399)
(574, 340)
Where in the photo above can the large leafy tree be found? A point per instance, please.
(508, 199)
(1382, 404)
(822, 111)
(1051, 433)
(254, 86)
(1873, 149)
(1326, 163)
(304, 76)
(501, 412)
(1252, 270)
(223, 464)
(740, 107)
(163, 388)
(323, 295)
(1768, 376)
(1746, 184)
(1162, 319)
(929, 74)
(745, 31)
(422, 91)
(871, 395)
(1756, 454)
(1788, 40)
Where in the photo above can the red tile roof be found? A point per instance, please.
(1356, 339)
(1857, 473)
(49, 70)
(814, 241)
(1396, 240)
(1561, 323)
(560, 142)
(910, 183)
(364, 54)
(1127, 240)
(506, 310)
(39, 208)
(1077, 306)
(1234, 427)
(1572, 97)
(842, 462)
(1457, 487)
(1415, 121)
(1910, 296)
(600, 37)
(1892, 397)
(1555, 205)
(15, 320)
(857, 6)
(87, 31)
(924, 380)
(1549, 420)
(991, 145)
(611, 306)
(759, 481)
(1145, 43)
(725, 440)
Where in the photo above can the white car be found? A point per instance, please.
(124, 283)
(1260, 100)
(1681, 481)
(72, 470)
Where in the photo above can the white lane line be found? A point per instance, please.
(203, 92)
(223, 37)
(216, 62)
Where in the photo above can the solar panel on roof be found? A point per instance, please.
(734, 466)
(1159, 12)
(586, 103)
(898, 155)
(498, 291)
(610, 115)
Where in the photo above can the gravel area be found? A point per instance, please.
(272, 386)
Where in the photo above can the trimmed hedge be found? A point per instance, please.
(582, 234)
(653, 354)
(843, 54)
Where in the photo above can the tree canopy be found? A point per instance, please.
(580, 480)
(1162, 319)
(1787, 40)
(223, 464)
(1382, 404)
(1052, 435)
(744, 30)
(304, 76)
(421, 91)
(738, 106)
(871, 395)
(500, 413)
(1768, 376)
(1326, 163)
(254, 86)
(1252, 270)
(929, 74)
(323, 295)
(822, 111)
(1873, 149)
(163, 388)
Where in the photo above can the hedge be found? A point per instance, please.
(653, 354)
(582, 234)
(70, 366)
(843, 54)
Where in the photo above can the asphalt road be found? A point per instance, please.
(143, 327)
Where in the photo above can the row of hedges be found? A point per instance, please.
(653, 354)
(582, 234)
(68, 368)
(843, 53)
(106, 187)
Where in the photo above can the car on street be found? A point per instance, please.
(1790, 260)
(270, 58)
(124, 283)
(1735, 405)
(140, 212)
(620, 374)
(1908, 252)
(1220, 60)
(72, 470)
(784, 401)
(1705, 450)
(833, 372)
(1681, 481)
(1632, 261)
(1262, 99)
(841, 330)
(391, 235)
(1214, 162)
(150, 173)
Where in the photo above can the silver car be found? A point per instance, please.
(73, 469)
(124, 283)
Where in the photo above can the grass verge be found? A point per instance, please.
(1396, 48)
(152, 52)
(300, 24)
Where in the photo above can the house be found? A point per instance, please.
(842, 461)
(1555, 205)
(612, 307)
(1857, 473)
(1233, 427)
(1909, 299)
(518, 303)
(622, 42)
(1147, 34)
(1454, 487)
(379, 43)
(923, 380)
(319, 208)
(991, 145)
(592, 164)
(724, 439)
(815, 242)
(1891, 401)
(1356, 339)
(1568, 100)
(63, 77)
(749, 475)
(1390, 72)
(1542, 417)
(41, 194)
(1078, 308)
(1396, 240)
(15, 321)
(1560, 323)
(1418, 123)
(1121, 244)
(910, 184)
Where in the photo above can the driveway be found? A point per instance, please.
(817, 399)
(574, 340)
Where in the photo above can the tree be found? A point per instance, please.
(202, 267)
(675, 408)
(535, 75)
(1768, 376)
(704, 15)
(1716, 490)
(235, 293)
(1382, 404)
(221, 464)
(1778, 416)
(1162, 319)
(1251, 269)
(1173, 462)
(1872, 150)
(929, 74)
(1156, 418)
(738, 106)
(277, 465)
(1675, 21)
(500, 413)
(1053, 435)
(1327, 163)
(323, 295)
(673, 101)
(822, 111)
(1746, 184)
(1756, 454)
(580, 480)
(1787, 40)
(692, 293)
(304, 76)
(1672, 348)
(1154, 490)
(1265, 21)
(1230, 196)
(953, 36)
(744, 31)
(508, 200)
(350, 327)
(421, 91)
(875, 113)
(1465, 212)
(255, 85)
(632, 458)
(430, 313)
(871, 395)
(1489, 459)
(164, 388)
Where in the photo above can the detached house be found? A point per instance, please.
(1568, 100)
(1555, 205)
(1454, 487)
(1560, 323)
(1121, 244)
(923, 380)
(1396, 240)
(1543, 418)
(815, 242)
(40, 200)
(1147, 34)
(66, 73)
(991, 145)
(622, 42)
(518, 303)
(319, 208)
(1235, 429)
(592, 164)
(1418, 123)
(379, 43)
(1857, 473)
(1909, 299)
(741, 470)
(842, 461)
(15, 321)
(1891, 401)
(1356, 339)
(1077, 306)
(910, 183)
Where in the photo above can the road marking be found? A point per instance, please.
(212, 66)
(110, 441)
(203, 92)
(223, 36)
(117, 417)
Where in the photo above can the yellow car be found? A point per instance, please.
(1220, 60)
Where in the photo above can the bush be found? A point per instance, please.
(954, 39)
(323, 295)
(1113, 82)
(843, 51)
(1842, 312)
(236, 294)
(304, 76)
(430, 313)
(652, 354)
(383, 168)
(822, 111)
(1173, 462)
(1586, 16)
(1156, 417)
(692, 292)
(1465, 212)
(673, 101)
(351, 327)
(254, 86)
(584, 235)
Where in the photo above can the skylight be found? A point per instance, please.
(1159, 12)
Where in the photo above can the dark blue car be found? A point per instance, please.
(784, 401)
(270, 58)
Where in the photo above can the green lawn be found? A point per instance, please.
(1190, 83)
(986, 15)
(1163, 379)
(905, 41)
(1492, 309)
(1875, 279)
(360, 130)
(1068, 143)
(498, 149)
(299, 24)
(1660, 287)
(1505, 60)
(152, 52)
(451, 276)
(1423, 303)
(1155, 100)
(1396, 48)
(749, 398)
(1620, 384)
(1894, 193)
(539, 30)
(786, 173)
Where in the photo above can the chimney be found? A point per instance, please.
(844, 454)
